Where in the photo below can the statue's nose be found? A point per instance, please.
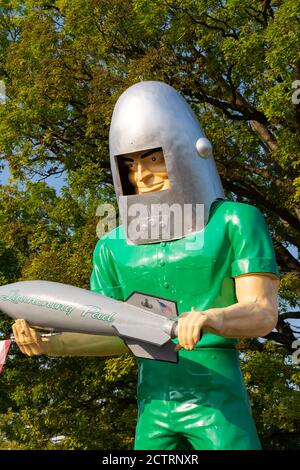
(142, 173)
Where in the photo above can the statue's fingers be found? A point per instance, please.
(196, 334)
(189, 334)
(24, 328)
(33, 336)
(17, 328)
(23, 349)
(181, 332)
(33, 349)
(25, 338)
(33, 340)
(183, 337)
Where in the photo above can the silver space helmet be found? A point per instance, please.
(149, 116)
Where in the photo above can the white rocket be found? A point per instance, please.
(146, 323)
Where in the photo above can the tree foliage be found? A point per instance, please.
(64, 65)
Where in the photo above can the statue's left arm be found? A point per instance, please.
(255, 314)
(256, 280)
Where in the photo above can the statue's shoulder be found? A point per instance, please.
(112, 239)
(242, 209)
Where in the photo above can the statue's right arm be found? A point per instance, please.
(32, 343)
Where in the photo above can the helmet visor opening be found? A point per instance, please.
(142, 172)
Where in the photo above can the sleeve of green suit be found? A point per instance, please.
(103, 281)
(251, 242)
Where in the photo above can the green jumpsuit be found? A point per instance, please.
(200, 402)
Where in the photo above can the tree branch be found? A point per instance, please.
(225, 34)
(265, 135)
(287, 315)
(241, 188)
(282, 339)
(286, 258)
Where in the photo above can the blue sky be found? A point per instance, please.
(56, 182)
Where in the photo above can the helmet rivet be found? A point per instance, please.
(204, 147)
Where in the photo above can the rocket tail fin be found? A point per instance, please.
(143, 350)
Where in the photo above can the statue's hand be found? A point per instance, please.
(190, 325)
(29, 340)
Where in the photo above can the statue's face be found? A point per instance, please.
(147, 172)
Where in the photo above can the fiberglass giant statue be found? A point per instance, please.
(218, 268)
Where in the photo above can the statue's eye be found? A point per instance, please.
(130, 165)
(153, 159)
